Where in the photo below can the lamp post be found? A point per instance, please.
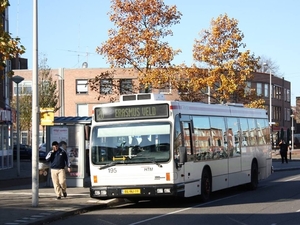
(292, 128)
(18, 79)
(270, 102)
(270, 96)
(61, 93)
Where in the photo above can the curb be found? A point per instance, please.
(62, 215)
(286, 169)
(75, 211)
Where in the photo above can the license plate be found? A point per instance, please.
(131, 191)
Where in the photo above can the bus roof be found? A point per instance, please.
(191, 108)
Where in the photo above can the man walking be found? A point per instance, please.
(58, 161)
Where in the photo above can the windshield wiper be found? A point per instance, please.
(156, 163)
(111, 164)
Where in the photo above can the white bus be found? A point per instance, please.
(192, 149)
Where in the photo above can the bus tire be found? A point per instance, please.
(254, 176)
(205, 185)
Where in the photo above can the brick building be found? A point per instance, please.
(281, 98)
(281, 103)
(6, 111)
(76, 99)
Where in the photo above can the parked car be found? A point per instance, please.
(42, 147)
(42, 155)
(25, 151)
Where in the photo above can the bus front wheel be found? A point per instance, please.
(205, 185)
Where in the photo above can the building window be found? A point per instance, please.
(259, 89)
(277, 113)
(106, 86)
(165, 88)
(248, 87)
(82, 110)
(277, 92)
(266, 91)
(284, 94)
(287, 115)
(25, 87)
(126, 86)
(81, 86)
(288, 95)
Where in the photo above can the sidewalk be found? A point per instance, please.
(293, 161)
(16, 196)
(16, 199)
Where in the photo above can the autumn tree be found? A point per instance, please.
(48, 93)
(9, 47)
(189, 82)
(220, 50)
(296, 112)
(25, 99)
(48, 96)
(137, 41)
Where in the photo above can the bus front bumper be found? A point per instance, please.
(146, 191)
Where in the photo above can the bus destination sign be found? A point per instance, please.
(131, 112)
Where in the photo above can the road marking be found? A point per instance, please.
(294, 178)
(182, 210)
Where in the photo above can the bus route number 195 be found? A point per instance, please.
(112, 170)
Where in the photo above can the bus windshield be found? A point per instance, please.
(131, 143)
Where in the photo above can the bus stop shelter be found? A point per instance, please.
(75, 132)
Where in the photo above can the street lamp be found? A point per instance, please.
(18, 79)
(292, 128)
(61, 94)
(270, 103)
(270, 95)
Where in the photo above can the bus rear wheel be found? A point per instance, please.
(205, 185)
(254, 176)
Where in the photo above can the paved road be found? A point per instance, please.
(16, 197)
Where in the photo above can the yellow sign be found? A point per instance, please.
(47, 116)
(131, 191)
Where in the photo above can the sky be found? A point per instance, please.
(69, 31)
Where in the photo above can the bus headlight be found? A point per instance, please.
(159, 191)
(103, 192)
(163, 190)
(100, 192)
(167, 190)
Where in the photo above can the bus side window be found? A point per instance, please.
(245, 132)
(234, 137)
(201, 137)
(217, 129)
